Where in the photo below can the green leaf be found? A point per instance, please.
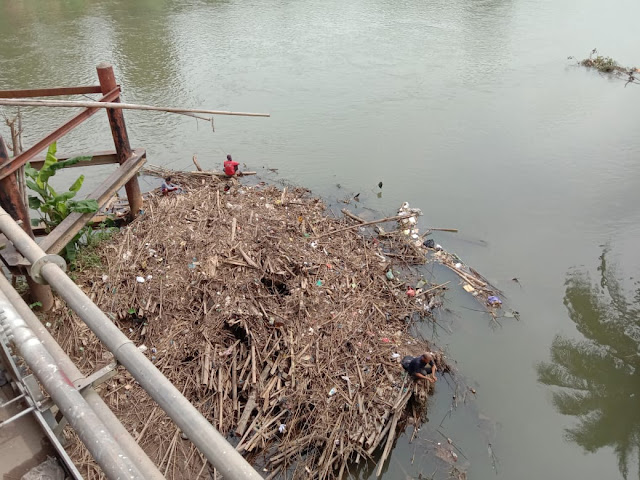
(62, 209)
(84, 206)
(53, 148)
(63, 197)
(71, 251)
(35, 222)
(77, 184)
(30, 172)
(33, 186)
(34, 202)
(46, 171)
(69, 162)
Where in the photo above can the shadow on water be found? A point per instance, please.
(598, 377)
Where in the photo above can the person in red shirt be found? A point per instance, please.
(230, 167)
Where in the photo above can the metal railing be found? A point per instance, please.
(50, 269)
(63, 362)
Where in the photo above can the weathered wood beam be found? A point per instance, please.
(67, 229)
(107, 157)
(50, 92)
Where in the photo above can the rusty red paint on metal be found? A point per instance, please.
(10, 197)
(107, 80)
(50, 92)
(10, 166)
(64, 376)
(12, 201)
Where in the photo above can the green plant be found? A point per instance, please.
(52, 206)
(604, 64)
(88, 256)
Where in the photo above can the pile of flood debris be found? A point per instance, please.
(284, 326)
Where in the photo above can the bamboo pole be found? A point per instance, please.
(372, 222)
(381, 220)
(17, 102)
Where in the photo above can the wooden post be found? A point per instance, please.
(11, 201)
(120, 138)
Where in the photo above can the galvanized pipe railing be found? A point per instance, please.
(227, 461)
(115, 427)
(106, 451)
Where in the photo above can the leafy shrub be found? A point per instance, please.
(52, 206)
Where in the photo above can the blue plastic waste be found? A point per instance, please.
(493, 300)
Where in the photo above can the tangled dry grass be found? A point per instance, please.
(276, 321)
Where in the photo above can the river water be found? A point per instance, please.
(468, 109)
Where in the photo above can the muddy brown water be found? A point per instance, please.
(469, 110)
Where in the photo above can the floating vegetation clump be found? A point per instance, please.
(609, 65)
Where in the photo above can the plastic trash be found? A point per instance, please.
(389, 275)
(332, 392)
(411, 292)
(458, 265)
(395, 355)
(319, 283)
(439, 247)
(282, 428)
(493, 300)
(140, 279)
(429, 243)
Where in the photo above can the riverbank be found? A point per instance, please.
(283, 325)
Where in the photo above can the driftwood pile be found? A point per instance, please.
(280, 324)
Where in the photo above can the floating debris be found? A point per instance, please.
(259, 303)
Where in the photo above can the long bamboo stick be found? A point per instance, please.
(372, 222)
(386, 219)
(16, 102)
(389, 444)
